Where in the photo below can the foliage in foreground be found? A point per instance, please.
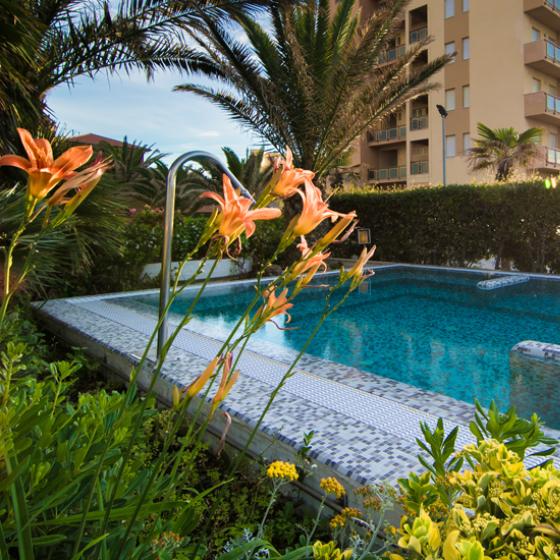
(461, 224)
(480, 502)
(59, 410)
(110, 505)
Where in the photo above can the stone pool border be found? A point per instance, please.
(365, 425)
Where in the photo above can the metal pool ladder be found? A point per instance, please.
(171, 187)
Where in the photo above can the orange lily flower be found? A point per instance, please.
(290, 177)
(332, 236)
(235, 216)
(275, 305)
(196, 386)
(81, 183)
(356, 273)
(45, 172)
(226, 383)
(314, 210)
(308, 266)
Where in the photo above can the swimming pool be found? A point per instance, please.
(429, 328)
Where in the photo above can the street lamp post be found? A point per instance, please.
(443, 113)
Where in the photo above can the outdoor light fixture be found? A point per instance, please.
(364, 236)
(444, 114)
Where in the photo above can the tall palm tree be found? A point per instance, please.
(46, 43)
(502, 149)
(312, 80)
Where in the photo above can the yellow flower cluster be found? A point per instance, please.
(340, 519)
(329, 551)
(501, 511)
(282, 470)
(331, 485)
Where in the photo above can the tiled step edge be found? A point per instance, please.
(536, 350)
(502, 282)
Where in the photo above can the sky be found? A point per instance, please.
(148, 112)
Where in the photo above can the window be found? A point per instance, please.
(450, 146)
(449, 8)
(537, 85)
(466, 96)
(466, 5)
(466, 48)
(450, 50)
(535, 34)
(466, 142)
(450, 103)
(552, 140)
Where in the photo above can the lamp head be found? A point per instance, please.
(442, 111)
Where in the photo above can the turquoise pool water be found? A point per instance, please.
(432, 329)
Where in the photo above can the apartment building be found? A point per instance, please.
(506, 72)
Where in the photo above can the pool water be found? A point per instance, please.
(433, 329)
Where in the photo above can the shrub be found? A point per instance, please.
(461, 224)
(494, 508)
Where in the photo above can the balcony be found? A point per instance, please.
(543, 56)
(391, 55)
(387, 135)
(418, 35)
(543, 106)
(548, 159)
(545, 11)
(419, 123)
(389, 175)
(419, 167)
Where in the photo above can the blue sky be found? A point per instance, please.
(149, 112)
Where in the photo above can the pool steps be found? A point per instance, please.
(536, 350)
(502, 282)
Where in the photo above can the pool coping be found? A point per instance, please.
(366, 425)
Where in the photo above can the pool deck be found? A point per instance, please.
(365, 425)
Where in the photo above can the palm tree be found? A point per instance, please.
(46, 43)
(502, 149)
(313, 81)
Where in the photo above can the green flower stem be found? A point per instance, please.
(290, 372)
(165, 350)
(275, 490)
(310, 535)
(125, 402)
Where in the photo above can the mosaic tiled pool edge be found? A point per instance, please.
(366, 425)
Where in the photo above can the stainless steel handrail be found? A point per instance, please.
(171, 187)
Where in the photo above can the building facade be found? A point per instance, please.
(505, 73)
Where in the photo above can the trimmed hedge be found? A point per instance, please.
(461, 224)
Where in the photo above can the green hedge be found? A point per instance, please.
(461, 224)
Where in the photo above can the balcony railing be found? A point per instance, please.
(391, 55)
(389, 174)
(419, 167)
(552, 52)
(418, 123)
(419, 35)
(553, 5)
(552, 157)
(552, 102)
(387, 134)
